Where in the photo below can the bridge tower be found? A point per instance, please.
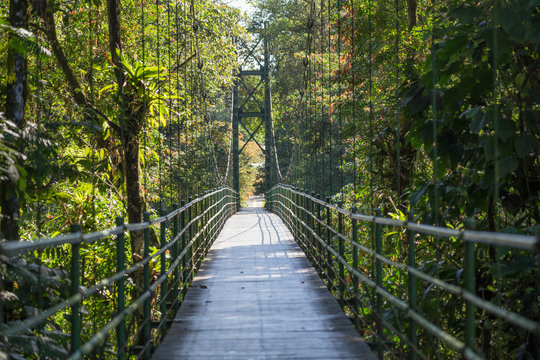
(253, 72)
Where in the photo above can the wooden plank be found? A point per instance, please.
(257, 297)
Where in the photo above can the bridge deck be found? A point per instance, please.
(257, 297)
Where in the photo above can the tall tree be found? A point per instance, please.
(15, 104)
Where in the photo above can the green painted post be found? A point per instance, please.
(146, 305)
(306, 222)
(413, 327)
(295, 212)
(341, 251)
(197, 243)
(204, 222)
(301, 231)
(120, 266)
(470, 286)
(183, 244)
(176, 272)
(211, 229)
(163, 270)
(378, 280)
(75, 284)
(210, 221)
(202, 209)
(319, 233)
(312, 227)
(207, 217)
(189, 238)
(329, 259)
(354, 226)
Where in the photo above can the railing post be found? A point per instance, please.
(329, 243)
(183, 244)
(207, 217)
(176, 272)
(341, 251)
(312, 229)
(120, 266)
(319, 234)
(191, 252)
(197, 242)
(470, 286)
(163, 287)
(306, 226)
(146, 306)
(413, 337)
(354, 229)
(207, 221)
(302, 217)
(75, 284)
(295, 212)
(213, 201)
(202, 224)
(378, 280)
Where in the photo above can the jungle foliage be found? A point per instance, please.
(115, 121)
(429, 111)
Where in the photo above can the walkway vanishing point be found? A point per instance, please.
(256, 296)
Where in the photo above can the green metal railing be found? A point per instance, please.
(144, 295)
(409, 305)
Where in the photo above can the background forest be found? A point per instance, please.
(429, 111)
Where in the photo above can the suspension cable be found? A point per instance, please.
(340, 118)
(353, 93)
(200, 65)
(370, 95)
(160, 146)
(143, 60)
(398, 129)
(306, 92)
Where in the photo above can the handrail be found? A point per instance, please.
(193, 228)
(524, 242)
(11, 248)
(335, 253)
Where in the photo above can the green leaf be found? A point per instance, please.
(525, 144)
(521, 264)
(505, 129)
(507, 166)
(478, 122)
(489, 147)
(415, 196)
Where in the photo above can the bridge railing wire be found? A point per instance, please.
(388, 297)
(142, 297)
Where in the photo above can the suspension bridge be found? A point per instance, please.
(311, 269)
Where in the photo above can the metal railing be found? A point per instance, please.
(141, 296)
(409, 305)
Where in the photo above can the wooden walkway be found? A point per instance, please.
(256, 296)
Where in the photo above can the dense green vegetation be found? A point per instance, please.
(427, 110)
(121, 107)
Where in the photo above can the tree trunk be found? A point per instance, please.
(133, 120)
(411, 13)
(408, 153)
(115, 39)
(135, 202)
(15, 102)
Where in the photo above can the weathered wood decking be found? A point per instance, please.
(257, 297)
